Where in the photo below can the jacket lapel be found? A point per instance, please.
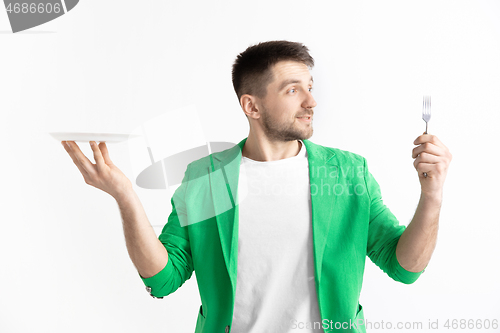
(323, 176)
(224, 175)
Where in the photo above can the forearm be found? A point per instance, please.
(145, 250)
(417, 243)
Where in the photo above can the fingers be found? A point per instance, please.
(433, 170)
(105, 153)
(429, 169)
(430, 164)
(80, 157)
(432, 145)
(69, 148)
(97, 156)
(428, 138)
(428, 148)
(426, 159)
(99, 175)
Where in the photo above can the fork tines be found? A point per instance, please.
(426, 111)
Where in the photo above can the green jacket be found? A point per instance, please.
(349, 222)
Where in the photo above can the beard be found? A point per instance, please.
(277, 130)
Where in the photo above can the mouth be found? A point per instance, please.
(305, 118)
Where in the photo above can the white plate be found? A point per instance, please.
(97, 137)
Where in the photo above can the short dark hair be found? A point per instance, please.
(252, 68)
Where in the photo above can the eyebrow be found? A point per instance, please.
(290, 81)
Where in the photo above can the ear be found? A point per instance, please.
(250, 107)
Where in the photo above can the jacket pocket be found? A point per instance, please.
(200, 322)
(360, 320)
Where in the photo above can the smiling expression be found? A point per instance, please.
(288, 101)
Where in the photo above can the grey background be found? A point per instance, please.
(112, 66)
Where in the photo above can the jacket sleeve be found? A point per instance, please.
(384, 233)
(175, 238)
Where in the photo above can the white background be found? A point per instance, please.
(109, 66)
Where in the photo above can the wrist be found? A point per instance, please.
(124, 195)
(435, 198)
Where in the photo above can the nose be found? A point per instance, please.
(309, 101)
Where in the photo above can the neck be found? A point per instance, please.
(264, 150)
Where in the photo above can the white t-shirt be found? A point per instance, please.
(275, 287)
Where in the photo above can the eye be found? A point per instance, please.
(310, 89)
(293, 89)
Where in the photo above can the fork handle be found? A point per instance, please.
(425, 173)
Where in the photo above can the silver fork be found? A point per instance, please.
(426, 111)
(426, 115)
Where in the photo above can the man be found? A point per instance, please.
(277, 227)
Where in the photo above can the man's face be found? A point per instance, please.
(288, 98)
